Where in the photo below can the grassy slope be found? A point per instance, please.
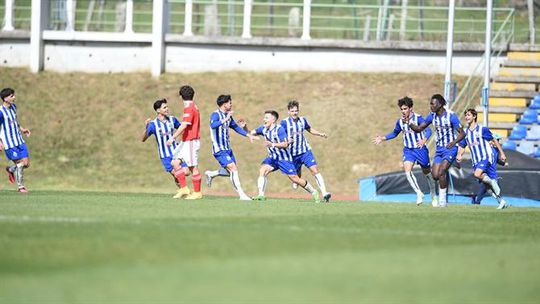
(87, 128)
(86, 247)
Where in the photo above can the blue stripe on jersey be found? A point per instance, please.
(164, 132)
(411, 138)
(480, 147)
(444, 128)
(220, 135)
(295, 133)
(10, 133)
(272, 135)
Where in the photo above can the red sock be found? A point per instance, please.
(197, 182)
(180, 177)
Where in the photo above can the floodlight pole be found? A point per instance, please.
(487, 54)
(449, 49)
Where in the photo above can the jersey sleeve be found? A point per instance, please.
(394, 133)
(188, 116)
(463, 143)
(237, 128)
(486, 134)
(176, 123)
(428, 120)
(259, 130)
(454, 121)
(214, 120)
(306, 124)
(150, 128)
(282, 135)
(428, 132)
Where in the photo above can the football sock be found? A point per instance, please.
(12, 168)
(492, 184)
(19, 175)
(309, 188)
(432, 184)
(442, 195)
(413, 182)
(235, 180)
(320, 182)
(180, 177)
(196, 182)
(261, 184)
(219, 172)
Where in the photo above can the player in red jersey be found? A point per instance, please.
(188, 150)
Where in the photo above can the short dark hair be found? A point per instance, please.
(473, 112)
(6, 92)
(273, 113)
(407, 101)
(223, 99)
(440, 99)
(292, 104)
(159, 103)
(186, 92)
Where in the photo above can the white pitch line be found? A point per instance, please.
(45, 219)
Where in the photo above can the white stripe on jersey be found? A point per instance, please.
(220, 135)
(273, 152)
(164, 132)
(411, 138)
(443, 129)
(479, 147)
(295, 134)
(10, 133)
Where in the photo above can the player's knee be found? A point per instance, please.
(186, 171)
(478, 175)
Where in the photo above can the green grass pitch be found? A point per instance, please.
(76, 247)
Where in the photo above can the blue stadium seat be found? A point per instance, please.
(526, 147)
(509, 145)
(533, 133)
(529, 117)
(535, 103)
(519, 132)
(537, 97)
(537, 153)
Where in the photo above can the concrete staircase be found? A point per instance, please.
(512, 89)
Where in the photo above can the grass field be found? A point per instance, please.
(76, 247)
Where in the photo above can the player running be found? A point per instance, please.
(414, 150)
(279, 156)
(479, 139)
(447, 128)
(299, 146)
(220, 122)
(11, 139)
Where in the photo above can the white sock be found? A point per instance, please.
(442, 195)
(320, 182)
(19, 175)
(309, 188)
(492, 184)
(432, 184)
(261, 184)
(413, 182)
(235, 180)
(12, 168)
(219, 172)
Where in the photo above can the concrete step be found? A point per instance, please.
(506, 86)
(517, 79)
(507, 102)
(513, 94)
(532, 56)
(519, 72)
(501, 132)
(510, 110)
(522, 63)
(500, 117)
(501, 125)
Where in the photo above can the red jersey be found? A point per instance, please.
(192, 118)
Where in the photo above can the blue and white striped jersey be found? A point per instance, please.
(163, 131)
(10, 132)
(219, 132)
(410, 138)
(445, 127)
(478, 140)
(275, 134)
(295, 133)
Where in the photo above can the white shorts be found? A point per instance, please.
(188, 151)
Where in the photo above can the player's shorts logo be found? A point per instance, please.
(228, 158)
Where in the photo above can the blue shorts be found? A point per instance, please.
(225, 157)
(307, 159)
(166, 161)
(285, 166)
(18, 152)
(489, 169)
(418, 155)
(442, 153)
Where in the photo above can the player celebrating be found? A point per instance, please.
(11, 139)
(188, 150)
(162, 127)
(279, 156)
(414, 150)
(300, 148)
(220, 122)
(479, 140)
(446, 125)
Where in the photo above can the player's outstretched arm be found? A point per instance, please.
(146, 133)
(460, 137)
(317, 133)
(502, 156)
(176, 134)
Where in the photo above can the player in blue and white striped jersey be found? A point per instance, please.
(279, 156)
(299, 146)
(484, 160)
(447, 130)
(11, 139)
(414, 150)
(162, 127)
(220, 122)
